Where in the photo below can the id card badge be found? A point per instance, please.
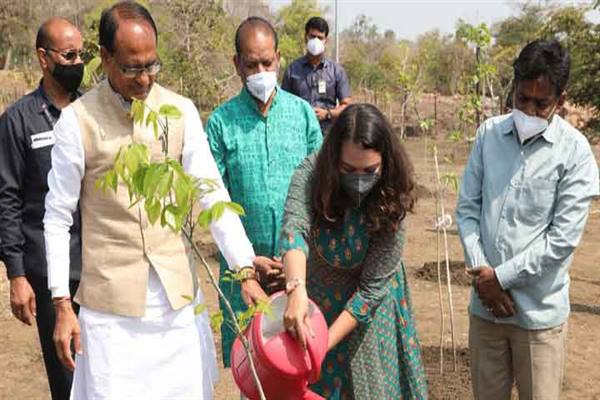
(42, 139)
(322, 86)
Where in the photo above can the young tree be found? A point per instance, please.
(480, 38)
(582, 38)
(510, 35)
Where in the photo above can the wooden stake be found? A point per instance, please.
(446, 255)
(439, 277)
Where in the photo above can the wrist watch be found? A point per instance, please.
(293, 284)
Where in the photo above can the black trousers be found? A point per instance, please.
(59, 377)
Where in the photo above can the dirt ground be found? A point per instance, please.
(22, 373)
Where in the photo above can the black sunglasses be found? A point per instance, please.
(69, 55)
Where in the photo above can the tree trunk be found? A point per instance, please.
(477, 85)
(402, 120)
(435, 119)
(8, 59)
(493, 103)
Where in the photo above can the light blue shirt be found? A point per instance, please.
(522, 210)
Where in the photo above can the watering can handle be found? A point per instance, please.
(315, 372)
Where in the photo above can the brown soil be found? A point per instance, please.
(449, 384)
(458, 276)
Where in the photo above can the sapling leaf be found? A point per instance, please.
(169, 217)
(152, 208)
(152, 119)
(217, 211)
(235, 207)
(204, 218)
(199, 309)
(137, 111)
(165, 183)
(169, 111)
(151, 180)
(216, 320)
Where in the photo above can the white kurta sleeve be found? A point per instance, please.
(228, 232)
(64, 183)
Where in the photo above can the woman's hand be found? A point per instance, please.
(295, 318)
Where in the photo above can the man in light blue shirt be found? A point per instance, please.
(521, 212)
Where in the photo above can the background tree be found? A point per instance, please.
(510, 35)
(20, 20)
(290, 21)
(479, 38)
(445, 60)
(196, 47)
(364, 47)
(582, 38)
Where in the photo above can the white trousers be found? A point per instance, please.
(165, 355)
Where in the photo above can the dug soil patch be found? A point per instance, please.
(451, 384)
(458, 276)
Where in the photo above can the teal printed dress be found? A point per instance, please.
(257, 156)
(349, 270)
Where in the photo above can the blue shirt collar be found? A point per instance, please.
(306, 61)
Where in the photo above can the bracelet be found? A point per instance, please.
(247, 273)
(292, 284)
(57, 300)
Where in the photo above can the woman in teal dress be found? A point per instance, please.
(341, 242)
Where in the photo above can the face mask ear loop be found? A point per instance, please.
(551, 117)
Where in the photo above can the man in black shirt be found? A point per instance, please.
(26, 139)
(317, 79)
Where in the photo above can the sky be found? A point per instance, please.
(409, 18)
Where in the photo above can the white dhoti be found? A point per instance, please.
(165, 355)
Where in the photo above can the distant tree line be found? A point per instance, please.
(196, 47)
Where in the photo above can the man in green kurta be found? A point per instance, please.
(258, 138)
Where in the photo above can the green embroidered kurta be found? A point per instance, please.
(257, 156)
(349, 270)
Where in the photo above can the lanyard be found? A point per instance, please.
(48, 117)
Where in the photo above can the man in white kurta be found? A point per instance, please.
(137, 336)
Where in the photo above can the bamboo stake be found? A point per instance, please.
(439, 277)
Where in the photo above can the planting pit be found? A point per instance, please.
(458, 276)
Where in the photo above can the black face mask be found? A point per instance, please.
(69, 76)
(358, 186)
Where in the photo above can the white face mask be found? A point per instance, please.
(315, 47)
(262, 85)
(527, 126)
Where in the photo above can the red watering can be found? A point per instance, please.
(285, 370)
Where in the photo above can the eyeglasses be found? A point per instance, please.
(69, 55)
(132, 72)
